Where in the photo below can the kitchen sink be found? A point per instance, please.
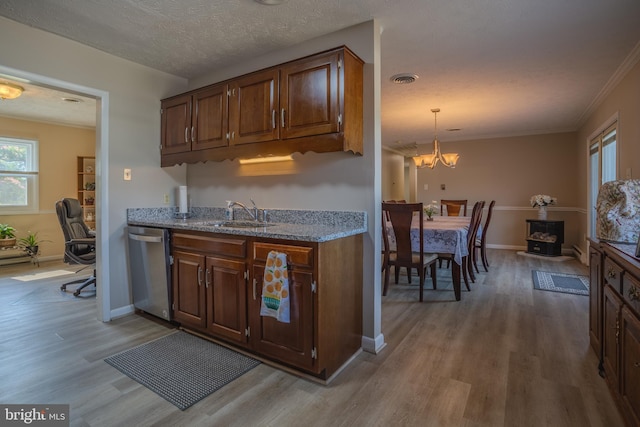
(237, 224)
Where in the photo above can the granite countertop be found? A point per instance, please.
(308, 226)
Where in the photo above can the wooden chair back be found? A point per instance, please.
(454, 207)
(401, 215)
(474, 224)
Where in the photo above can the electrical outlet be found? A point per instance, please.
(127, 174)
(166, 199)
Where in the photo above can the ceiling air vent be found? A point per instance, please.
(404, 79)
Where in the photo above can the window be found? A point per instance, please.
(603, 165)
(18, 176)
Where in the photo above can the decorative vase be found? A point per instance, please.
(542, 213)
(429, 218)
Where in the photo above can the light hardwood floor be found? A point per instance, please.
(506, 355)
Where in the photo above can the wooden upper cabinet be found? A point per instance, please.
(209, 118)
(309, 96)
(310, 104)
(253, 104)
(175, 124)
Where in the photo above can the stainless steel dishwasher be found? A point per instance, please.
(150, 270)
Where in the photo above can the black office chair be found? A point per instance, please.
(79, 241)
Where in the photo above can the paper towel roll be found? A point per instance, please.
(182, 197)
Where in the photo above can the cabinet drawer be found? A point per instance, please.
(227, 246)
(631, 291)
(612, 274)
(298, 256)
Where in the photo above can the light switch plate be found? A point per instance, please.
(127, 174)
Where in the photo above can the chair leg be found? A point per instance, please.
(386, 280)
(433, 275)
(421, 273)
(483, 255)
(89, 281)
(396, 270)
(464, 272)
(475, 259)
(470, 267)
(409, 274)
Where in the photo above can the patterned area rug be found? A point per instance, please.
(561, 282)
(182, 368)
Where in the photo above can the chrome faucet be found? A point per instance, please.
(253, 213)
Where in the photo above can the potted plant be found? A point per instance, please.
(31, 243)
(7, 235)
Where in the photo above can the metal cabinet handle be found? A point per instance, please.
(282, 117)
(207, 280)
(199, 276)
(634, 293)
(273, 119)
(611, 273)
(186, 138)
(636, 365)
(233, 135)
(192, 134)
(254, 288)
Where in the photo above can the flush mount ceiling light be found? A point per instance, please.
(10, 91)
(404, 78)
(430, 160)
(72, 100)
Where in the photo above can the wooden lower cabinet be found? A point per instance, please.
(595, 297)
(630, 365)
(293, 342)
(220, 295)
(611, 335)
(620, 334)
(210, 284)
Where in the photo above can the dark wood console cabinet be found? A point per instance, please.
(614, 322)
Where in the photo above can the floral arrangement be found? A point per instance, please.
(431, 209)
(542, 200)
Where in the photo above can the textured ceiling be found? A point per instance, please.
(494, 67)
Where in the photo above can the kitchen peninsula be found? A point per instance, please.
(217, 277)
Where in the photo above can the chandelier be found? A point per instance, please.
(430, 160)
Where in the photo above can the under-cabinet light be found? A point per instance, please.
(268, 159)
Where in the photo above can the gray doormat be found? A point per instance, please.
(182, 368)
(561, 282)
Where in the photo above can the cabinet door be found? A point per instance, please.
(253, 108)
(611, 336)
(175, 125)
(209, 119)
(188, 289)
(309, 96)
(290, 343)
(595, 299)
(226, 298)
(630, 365)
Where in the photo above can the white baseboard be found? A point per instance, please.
(122, 311)
(373, 345)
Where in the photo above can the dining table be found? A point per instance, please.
(442, 234)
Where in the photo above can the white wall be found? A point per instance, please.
(129, 138)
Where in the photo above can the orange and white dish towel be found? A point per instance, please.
(275, 289)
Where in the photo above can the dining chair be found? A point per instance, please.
(401, 216)
(474, 225)
(467, 272)
(481, 243)
(454, 207)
